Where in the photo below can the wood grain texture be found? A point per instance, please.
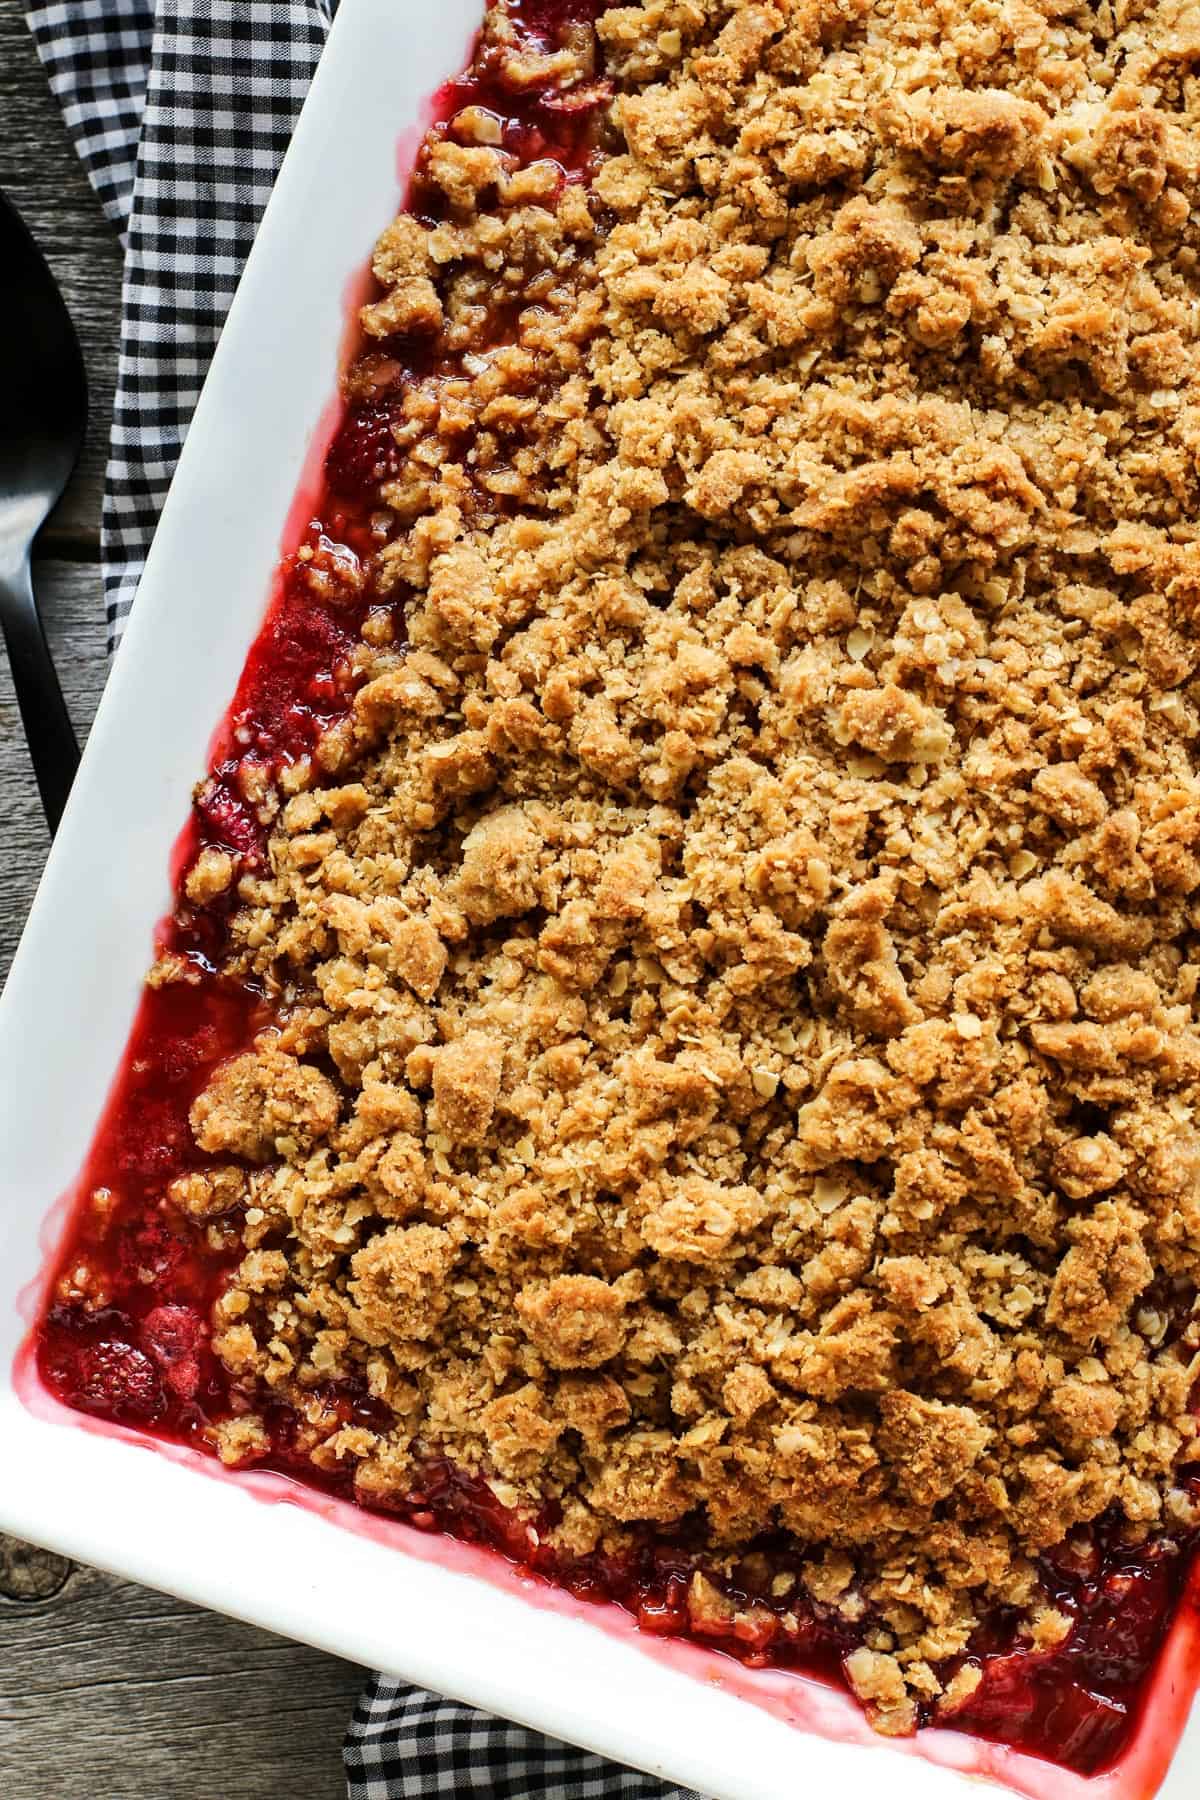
(28, 1574)
(43, 177)
(108, 1691)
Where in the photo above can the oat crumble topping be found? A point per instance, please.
(738, 1035)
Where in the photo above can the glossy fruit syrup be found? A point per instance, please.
(125, 1335)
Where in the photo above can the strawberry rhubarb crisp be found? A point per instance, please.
(677, 1053)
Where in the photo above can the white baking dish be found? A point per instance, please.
(385, 1596)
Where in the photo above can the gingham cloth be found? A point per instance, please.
(181, 111)
(404, 1741)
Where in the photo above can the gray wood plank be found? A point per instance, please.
(44, 178)
(111, 1692)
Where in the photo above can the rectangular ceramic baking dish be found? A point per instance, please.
(450, 1618)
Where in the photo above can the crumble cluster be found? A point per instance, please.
(738, 1055)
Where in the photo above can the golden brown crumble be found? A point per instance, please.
(738, 1049)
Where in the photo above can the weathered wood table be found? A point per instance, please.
(107, 1691)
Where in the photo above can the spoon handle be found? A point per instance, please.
(48, 729)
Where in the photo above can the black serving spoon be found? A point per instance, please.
(43, 411)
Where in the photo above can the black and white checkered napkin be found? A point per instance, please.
(181, 111)
(407, 1744)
